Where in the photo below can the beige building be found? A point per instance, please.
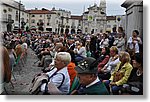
(42, 20)
(94, 20)
(67, 23)
(115, 21)
(111, 23)
(62, 20)
(12, 13)
(49, 20)
(75, 23)
(59, 21)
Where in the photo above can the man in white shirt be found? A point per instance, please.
(58, 76)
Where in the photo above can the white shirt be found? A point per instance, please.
(104, 43)
(120, 44)
(110, 66)
(97, 80)
(136, 44)
(57, 79)
(81, 51)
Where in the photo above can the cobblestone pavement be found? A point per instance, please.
(23, 79)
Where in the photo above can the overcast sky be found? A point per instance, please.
(75, 6)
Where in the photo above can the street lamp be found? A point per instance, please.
(9, 25)
(58, 27)
(19, 14)
(22, 24)
(62, 18)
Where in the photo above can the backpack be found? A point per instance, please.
(39, 79)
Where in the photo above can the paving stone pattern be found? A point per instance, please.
(23, 79)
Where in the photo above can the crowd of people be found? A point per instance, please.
(79, 64)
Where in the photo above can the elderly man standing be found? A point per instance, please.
(90, 84)
(59, 80)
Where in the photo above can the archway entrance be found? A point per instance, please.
(62, 31)
(67, 31)
(73, 31)
(79, 31)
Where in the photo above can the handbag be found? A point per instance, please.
(131, 51)
(118, 76)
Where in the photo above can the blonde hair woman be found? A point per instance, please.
(106, 71)
(121, 74)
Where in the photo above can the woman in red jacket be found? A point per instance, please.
(104, 58)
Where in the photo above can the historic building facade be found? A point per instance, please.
(62, 20)
(42, 20)
(75, 24)
(115, 21)
(94, 20)
(14, 16)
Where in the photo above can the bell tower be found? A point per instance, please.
(102, 6)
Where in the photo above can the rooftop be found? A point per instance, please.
(43, 11)
(76, 17)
